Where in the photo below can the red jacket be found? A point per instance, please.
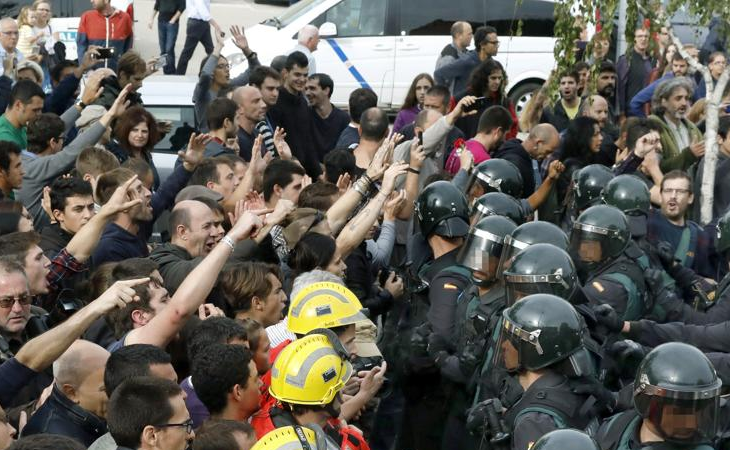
(114, 31)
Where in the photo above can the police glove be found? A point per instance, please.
(627, 349)
(666, 254)
(606, 316)
(590, 386)
(419, 340)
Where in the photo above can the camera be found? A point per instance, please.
(367, 363)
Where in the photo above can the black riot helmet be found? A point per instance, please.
(537, 332)
(588, 183)
(678, 391)
(483, 247)
(631, 195)
(566, 439)
(535, 232)
(540, 268)
(495, 175)
(441, 209)
(600, 234)
(497, 204)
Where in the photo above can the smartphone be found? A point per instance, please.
(478, 104)
(105, 52)
(420, 138)
(727, 109)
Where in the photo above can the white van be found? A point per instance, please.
(384, 44)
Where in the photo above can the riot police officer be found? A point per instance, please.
(494, 175)
(541, 269)
(585, 191)
(598, 240)
(541, 334)
(442, 215)
(459, 355)
(676, 398)
(497, 204)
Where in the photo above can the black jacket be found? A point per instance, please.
(514, 152)
(59, 415)
(53, 240)
(292, 113)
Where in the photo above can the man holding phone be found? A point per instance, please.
(108, 28)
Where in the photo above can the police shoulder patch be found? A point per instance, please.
(598, 286)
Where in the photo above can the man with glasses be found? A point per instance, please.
(10, 56)
(148, 413)
(690, 243)
(456, 74)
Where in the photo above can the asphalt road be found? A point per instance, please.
(226, 12)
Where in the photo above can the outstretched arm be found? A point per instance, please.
(195, 289)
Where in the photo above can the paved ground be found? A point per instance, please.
(226, 13)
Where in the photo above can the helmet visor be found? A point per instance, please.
(520, 286)
(685, 421)
(588, 244)
(481, 253)
(510, 249)
(506, 351)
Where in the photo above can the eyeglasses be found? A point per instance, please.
(43, 10)
(10, 33)
(8, 302)
(188, 424)
(675, 191)
(493, 42)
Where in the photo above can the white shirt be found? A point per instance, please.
(198, 9)
(18, 55)
(310, 57)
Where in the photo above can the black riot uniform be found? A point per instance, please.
(677, 390)
(566, 440)
(461, 354)
(543, 333)
(598, 241)
(441, 209)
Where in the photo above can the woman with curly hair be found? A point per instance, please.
(413, 104)
(135, 135)
(488, 80)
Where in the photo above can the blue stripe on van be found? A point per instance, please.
(350, 66)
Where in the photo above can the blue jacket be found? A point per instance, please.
(457, 72)
(117, 244)
(59, 415)
(636, 106)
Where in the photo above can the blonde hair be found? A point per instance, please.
(24, 16)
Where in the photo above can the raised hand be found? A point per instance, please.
(281, 145)
(118, 201)
(390, 175)
(239, 37)
(119, 295)
(195, 152)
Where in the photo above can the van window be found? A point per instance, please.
(293, 12)
(59, 8)
(356, 18)
(537, 17)
(435, 17)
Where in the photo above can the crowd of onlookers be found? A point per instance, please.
(148, 311)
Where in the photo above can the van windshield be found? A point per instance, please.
(292, 13)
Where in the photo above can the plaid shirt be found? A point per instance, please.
(63, 265)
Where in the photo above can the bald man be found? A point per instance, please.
(307, 42)
(461, 37)
(541, 142)
(77, 405)
(9, 43)
(596, 106)
(251, 110)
